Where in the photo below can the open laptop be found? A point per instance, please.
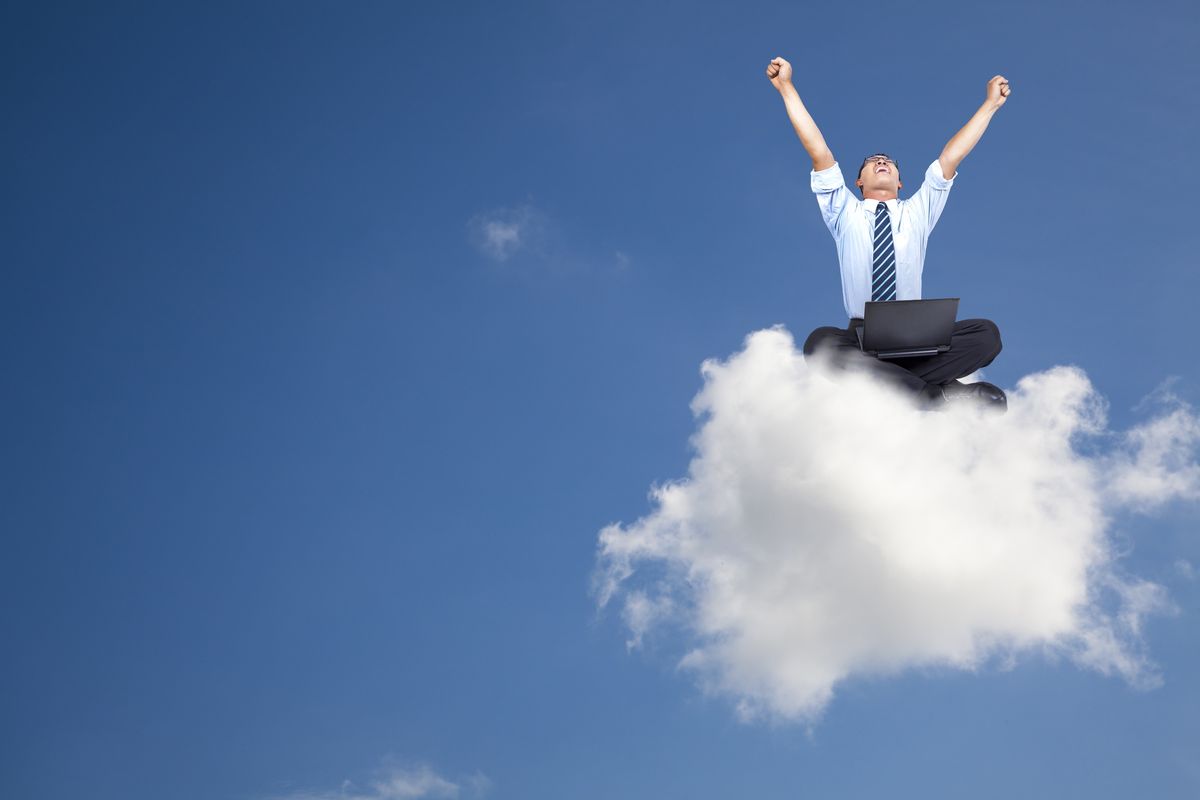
(907, 328)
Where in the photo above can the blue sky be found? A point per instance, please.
(304, 483)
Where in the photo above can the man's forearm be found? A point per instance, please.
(806, 129)
(958, 148)
(965, 140)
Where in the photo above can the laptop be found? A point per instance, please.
(907, 328)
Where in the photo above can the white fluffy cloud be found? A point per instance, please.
(826, 529)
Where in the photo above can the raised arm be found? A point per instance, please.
(965, 140)
(780, 73)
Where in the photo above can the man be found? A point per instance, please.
(881, 244)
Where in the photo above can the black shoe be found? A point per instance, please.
(986, 394)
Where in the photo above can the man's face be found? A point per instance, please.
(880, 173)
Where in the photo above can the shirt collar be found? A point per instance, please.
(891, 204)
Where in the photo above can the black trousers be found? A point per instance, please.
(974, 344)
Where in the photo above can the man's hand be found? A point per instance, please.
(998, 91)
(780, 73)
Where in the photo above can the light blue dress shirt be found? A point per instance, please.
(851, 221)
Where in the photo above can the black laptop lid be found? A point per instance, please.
(908, 324)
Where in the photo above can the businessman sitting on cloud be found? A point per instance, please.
(881, 240)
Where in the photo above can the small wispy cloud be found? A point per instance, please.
(1185, 569)
(502, 233)
(393, 782)
(827, 530)
(526, 239)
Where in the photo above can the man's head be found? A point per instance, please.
(879, 177)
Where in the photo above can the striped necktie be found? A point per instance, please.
(883, 265)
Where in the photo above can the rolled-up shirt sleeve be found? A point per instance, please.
(930, 199)
(833, 197)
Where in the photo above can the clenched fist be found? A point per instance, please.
(998, 90)
(780, 72)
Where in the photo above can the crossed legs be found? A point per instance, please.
(973, 345)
